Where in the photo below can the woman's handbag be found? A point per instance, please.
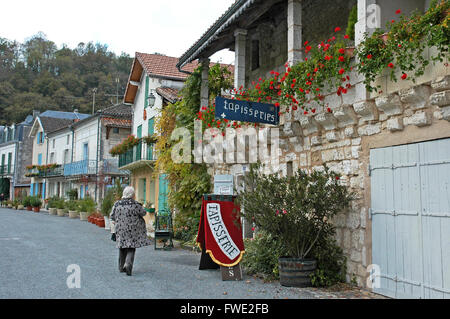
(113, 236)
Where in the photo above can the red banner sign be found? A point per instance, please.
(220, 232)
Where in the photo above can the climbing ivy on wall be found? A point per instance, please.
(187, 181)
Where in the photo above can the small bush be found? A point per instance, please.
(72, 205)
(26, 201)
(261, 255)
(186, 227)
(35, 201)
(331, 263)
(108, 202)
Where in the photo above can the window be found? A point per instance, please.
(52, 157)
(53, 143)
(40, 159)
(9, 162)
(66, 156)
(68, 140)
(85, 151)
(115, 130)
(255, 54)
(3, 163)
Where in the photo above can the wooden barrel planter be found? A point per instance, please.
(295, 272)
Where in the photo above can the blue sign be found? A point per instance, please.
(244, 111)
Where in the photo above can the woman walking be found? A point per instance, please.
(130, 230)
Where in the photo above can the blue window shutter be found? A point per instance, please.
(31, 189)
(40, 159)
(43, 190)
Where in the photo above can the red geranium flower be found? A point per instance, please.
(341, 51)
(391, 65)
(398, 11)
(341, 58)
(341, 71)
(337, 29)
(404, 76)
(369, 56)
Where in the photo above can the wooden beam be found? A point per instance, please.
(256, 12)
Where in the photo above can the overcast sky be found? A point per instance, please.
(167, 26)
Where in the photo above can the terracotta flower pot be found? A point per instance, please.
(29, 208)
(101, 223)
(36, 209)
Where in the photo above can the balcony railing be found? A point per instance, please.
(139, 152)
(6, 170)
(84, 167)
(45, 172)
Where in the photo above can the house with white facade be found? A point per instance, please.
(91, 169)
(154, 81)
(44, 124)
(15, 155)
(391, 146)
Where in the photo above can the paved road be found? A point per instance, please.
(37, 248)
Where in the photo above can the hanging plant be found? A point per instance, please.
(126, 144)
(325, 70)
(401, 48)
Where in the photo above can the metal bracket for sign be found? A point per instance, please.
(223, 198)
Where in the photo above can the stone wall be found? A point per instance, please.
(342, 140)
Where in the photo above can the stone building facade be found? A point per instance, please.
(401, 113)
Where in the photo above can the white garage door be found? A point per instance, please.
(410, 211)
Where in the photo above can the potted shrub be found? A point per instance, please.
(107, 205)
(15, 203)
(81, 210)
(72, 207)
(36, 203)
(60, 207)
(27, 203)
(297, 210)
(52, 210)
(87, 208)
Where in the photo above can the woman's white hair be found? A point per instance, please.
(128, 192)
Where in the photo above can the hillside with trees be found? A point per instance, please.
(36, 75)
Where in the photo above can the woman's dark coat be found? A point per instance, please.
(130, 224)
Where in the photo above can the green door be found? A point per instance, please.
(163, 192)
(151, 131)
